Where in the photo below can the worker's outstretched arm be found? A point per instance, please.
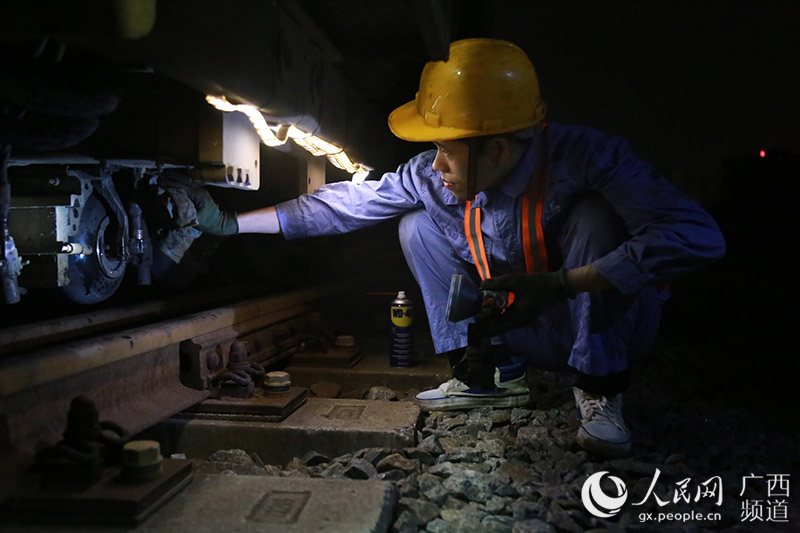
(259, 221)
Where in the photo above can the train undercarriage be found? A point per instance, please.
(97, 104)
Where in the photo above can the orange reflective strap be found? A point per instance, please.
(526, 235)
(472, 230)
(532, 207)
(532, 230)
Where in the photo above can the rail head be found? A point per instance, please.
(31, 369)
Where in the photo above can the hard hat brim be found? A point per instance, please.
(407, 124)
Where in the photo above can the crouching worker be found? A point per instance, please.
(567, 218)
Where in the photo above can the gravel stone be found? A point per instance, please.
(464, 514)
(440, 525)
(519, 414)
(423, 456)
(468, 526)
(450, 422)
(408, 487)
(481, 417)
(431, 445)
(562, 520)
(431, 487)
(533, 434)
(570, 462)
(506, 491)
(524, 510)
(462, 454)
(360, 469)
(334, 470)
(451, 443)
(392, 475)
(517, 472)
(433, 419)
(296, 468)
(532, 526)
(444, 469)
(422, 511)
(381, 393)
(399, 462)
(490, 447)
(233, 462)
(374, 455)
(469, 485)
(453, 503)
(239, 457)
(497, 504)
(633, 466)
(405, 523)
(497, 524)
(273, 470)
(501, 417)
(313, 458)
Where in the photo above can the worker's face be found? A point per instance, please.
(452, 160)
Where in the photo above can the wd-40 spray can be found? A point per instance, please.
(402, 342)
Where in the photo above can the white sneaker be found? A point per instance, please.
(603, 429)
(455, 394)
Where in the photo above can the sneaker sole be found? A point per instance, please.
(611, 450)
(453, 403)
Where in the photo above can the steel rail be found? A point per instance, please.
(47, 332)
(32, 369)
(144, 374)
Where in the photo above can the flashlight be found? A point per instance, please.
(465, 300)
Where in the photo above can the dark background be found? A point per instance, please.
(688, 83)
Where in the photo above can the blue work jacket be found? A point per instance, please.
(669, 232)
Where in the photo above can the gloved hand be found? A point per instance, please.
(210, 219)
(533, 294)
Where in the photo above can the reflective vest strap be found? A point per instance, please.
(472, 230)
(526, 232)
(532, 232)
(532, 206)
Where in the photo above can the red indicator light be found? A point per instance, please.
(762, 153)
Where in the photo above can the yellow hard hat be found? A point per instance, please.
(487, 86)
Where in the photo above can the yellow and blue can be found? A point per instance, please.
(402, 342)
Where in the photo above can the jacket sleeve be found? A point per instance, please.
(344, 206)
(670, 234)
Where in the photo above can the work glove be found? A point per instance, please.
(533, 294)
(210, 218)
(202, 212)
